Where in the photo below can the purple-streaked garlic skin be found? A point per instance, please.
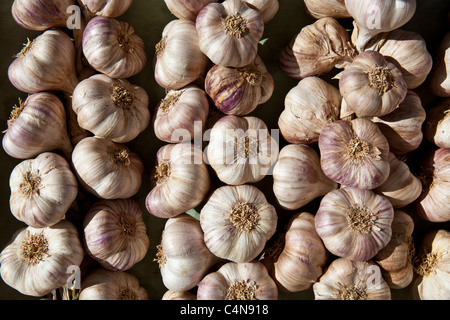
(186, 10)
(107, 8)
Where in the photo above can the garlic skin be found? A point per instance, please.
(172, 295)
(229, 32)
(376, 16)
(395, 260)
(354, 153)
(317, 49)
(352, 280)
(107, 169)
(237, 221)
(178, 58)
(302, 257)
(40, 16)
(186, 10)
(45, 64)
(308, 108)
(106, 8)
(182, 256)
(112, 47)
(110, 108)
(433, 204)
(266, 8)
(298, 178)
(103, 284)
(181, 116)
(241, 149)
(431, 280)
(354, 223)
(403, 126)
(326, 8)
(437, 124)
(42, 190)
(401, 187)
(37, 125)
(372, 86)
(36, 260)
(239, 91)
(238, 281)
(115, 234)
(181, 171)
(439, 77)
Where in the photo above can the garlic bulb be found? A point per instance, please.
(172, 295)
(42, 190)
(376, 16)
(296, 262)
(103, 284)
(115, 234)
(37, 125)
(439, 77)
(107, 169)
(354, 223)
(45, 64)
(266, 8)
(181, 116)
(106, 8)
(238, 281)
(317, 49)
(237, 222)
(112, 47)
(431, 281)
(437, 124)
(354, 153)
(298, 178)
(182, 255)
(433, 203)
(37, 260)
(372, 86)
(308, 108)
(41, 16)
(395, 260)
(178, 58)
(241, 149)
(401, 187)
(229, 32)
(111, 108)
(326, 8)
(239, 91)
(352, 280)
(186, 10)
(181, 180)
(403, 126)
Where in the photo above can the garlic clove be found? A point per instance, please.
(326, 8)
(437, 123)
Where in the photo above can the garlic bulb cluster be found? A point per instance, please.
(437, 124)
(439, 78)
(326, 8)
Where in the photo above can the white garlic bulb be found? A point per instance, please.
(326, 8)
(437, 124)
(172, 295)
(115, 234)
(106, 8)
(37, 260)
(266, 8)
(345, 279)
(238, 281)
(111, 108)
(107, 169)
(439, 77)
(42, 190)
(298, 177)
(354, 223)
(237, 222)
(241, 149)
(180, 182)
(186, 10)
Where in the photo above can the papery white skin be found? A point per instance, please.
(105, 52)
(185, 185)
(107, 8)
(227, 147)
(225, 239)
(436, 128)
(186, 257)
(64, 251)
(103, 284)
(338, 234)
(39, 127)
(99, 111)
(326, 8)
(298, 177)
(266, 8)
(186, 10)
(115, 233)
(440, 75)
(215, 285)
(101, 172)
(222, 48)
(343, 273)
(172, 295)
(49, 201)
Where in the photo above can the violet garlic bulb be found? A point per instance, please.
(266, 8)
(186, 10)
(354, 223)
(326, 8)
(440, 75)
(437, 124)
(105, 8)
